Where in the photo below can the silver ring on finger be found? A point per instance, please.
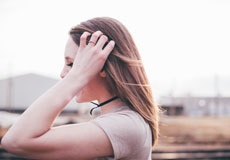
(94, 43)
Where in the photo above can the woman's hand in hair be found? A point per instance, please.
(91, 56)
(40, 140)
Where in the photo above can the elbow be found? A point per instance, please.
(11, 145)
(6, 143)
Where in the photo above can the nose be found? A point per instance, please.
(63, 73)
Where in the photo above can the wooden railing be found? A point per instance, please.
(211, 154)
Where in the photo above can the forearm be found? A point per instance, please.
(38, 118)
(31, 134)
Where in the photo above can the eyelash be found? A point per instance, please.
(70, 64)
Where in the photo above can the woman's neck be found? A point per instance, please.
(110, 106)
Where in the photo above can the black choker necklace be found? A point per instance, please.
(101, 104)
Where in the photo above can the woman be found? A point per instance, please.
(101, 63)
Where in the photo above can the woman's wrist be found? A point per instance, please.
(75, 82)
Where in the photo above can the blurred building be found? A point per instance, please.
(17, 93)
(195, 106)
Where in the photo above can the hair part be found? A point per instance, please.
(124, 69)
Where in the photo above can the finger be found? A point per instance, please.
(83, 39)
(108, 48)
(94, 37)
(102, 41)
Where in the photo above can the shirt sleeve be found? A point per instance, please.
(126, 132)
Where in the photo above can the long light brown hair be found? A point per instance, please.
(124, 69)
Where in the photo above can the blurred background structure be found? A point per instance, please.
(18, 92)
(184, 45)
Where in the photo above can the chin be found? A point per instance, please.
(83, 98)
(79, 100)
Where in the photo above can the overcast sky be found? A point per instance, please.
(178, 39)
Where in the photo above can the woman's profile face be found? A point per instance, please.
(70, 52)
(87, 93)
